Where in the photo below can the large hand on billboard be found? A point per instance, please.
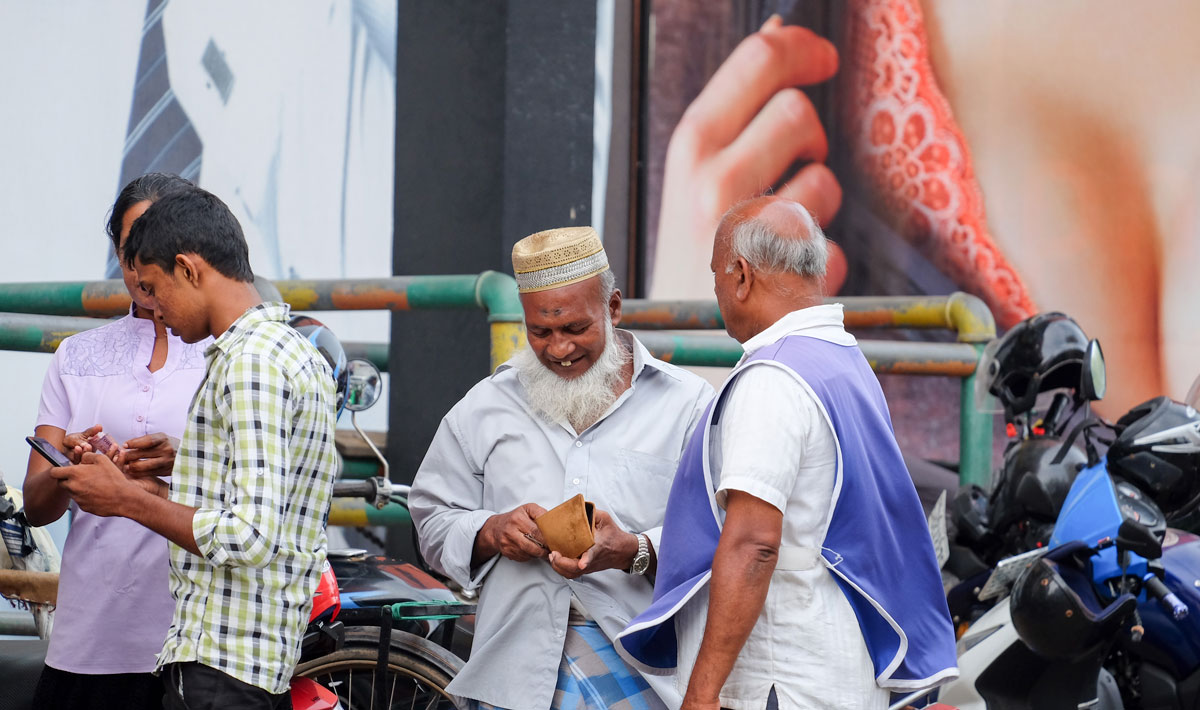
(748, 125)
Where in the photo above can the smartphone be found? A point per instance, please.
(827, 18)
(48, 451)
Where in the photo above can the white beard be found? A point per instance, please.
(580, 401)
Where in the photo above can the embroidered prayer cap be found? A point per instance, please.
(557, 257)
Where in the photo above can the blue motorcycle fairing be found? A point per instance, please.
(1181, 639)
(1091, 513)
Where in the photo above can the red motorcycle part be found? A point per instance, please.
(327, 600)
(308, 694)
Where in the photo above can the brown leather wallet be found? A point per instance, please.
(568, 528)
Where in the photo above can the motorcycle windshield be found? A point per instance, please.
(985, 371)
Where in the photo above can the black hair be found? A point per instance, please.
(150, 186)
(190, 221)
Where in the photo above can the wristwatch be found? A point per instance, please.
(641, 561)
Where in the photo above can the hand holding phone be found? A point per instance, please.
(48, 451)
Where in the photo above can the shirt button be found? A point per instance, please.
(576, 481)
(578, 444)
(558, 633)
(139, 417)
(145, 388)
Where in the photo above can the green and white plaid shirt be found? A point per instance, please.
(258, 462)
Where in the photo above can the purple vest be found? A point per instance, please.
(877, 547)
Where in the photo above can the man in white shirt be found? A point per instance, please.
(792, 525)
(585, 409)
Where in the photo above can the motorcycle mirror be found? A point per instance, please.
(364, 383)
(1138, 539)
(969, 511)
(1094, 382)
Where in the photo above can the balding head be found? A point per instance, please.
(774, 236)
(769, 259)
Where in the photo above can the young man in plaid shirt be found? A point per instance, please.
(249, 496)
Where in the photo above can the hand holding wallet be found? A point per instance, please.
(569, 528)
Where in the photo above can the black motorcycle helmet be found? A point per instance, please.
(1158, 450)
(330, 348)
(1034, 486)
(1056, 612)
(1041, 353)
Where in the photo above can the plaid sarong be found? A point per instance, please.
(593, 677)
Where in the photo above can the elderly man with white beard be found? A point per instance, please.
(585, 409)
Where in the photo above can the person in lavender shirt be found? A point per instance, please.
(134, 381)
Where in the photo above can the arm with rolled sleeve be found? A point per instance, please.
(446, 504)
(764, 427)
(256, 406)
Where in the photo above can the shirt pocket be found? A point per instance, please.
(642, 483)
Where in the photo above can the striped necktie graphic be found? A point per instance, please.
(159, 138)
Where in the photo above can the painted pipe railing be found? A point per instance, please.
(491, 290)
(888, 357)
(357, 514)
(26, 332)
(967, 316)
(961, 313)
(68, 307)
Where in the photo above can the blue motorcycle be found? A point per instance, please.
(1150, 476)
(1107, 615)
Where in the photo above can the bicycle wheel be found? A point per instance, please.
(418, 672)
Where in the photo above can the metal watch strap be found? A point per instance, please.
(643, 555)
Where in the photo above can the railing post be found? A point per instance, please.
(497, 293)
(974, 436)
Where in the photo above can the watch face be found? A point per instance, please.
(640, 563)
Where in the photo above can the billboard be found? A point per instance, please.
(1040, 156)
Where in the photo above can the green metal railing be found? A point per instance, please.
(61, 306)
(491, 290)
(35, 317)
(967, 316)
(962, 313)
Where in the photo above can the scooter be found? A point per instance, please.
(1119, 633)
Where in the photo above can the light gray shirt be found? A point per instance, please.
(492, 454)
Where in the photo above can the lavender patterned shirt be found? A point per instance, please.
(113, 604)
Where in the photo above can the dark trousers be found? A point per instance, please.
(63, 690)
(192, 686)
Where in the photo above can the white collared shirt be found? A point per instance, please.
(826, 322)
(774, 442)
